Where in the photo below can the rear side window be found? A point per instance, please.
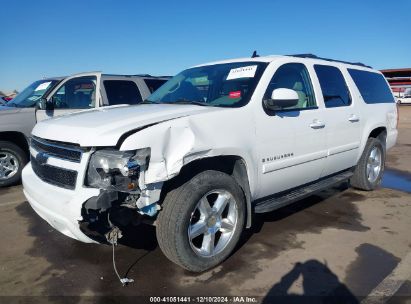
(154, 84)
(372, 86)
(333, 86)
(122, 92)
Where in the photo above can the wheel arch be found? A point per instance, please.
(232, 165)
(374, 131)
(17, 138)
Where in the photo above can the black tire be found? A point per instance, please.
(178, 207)
(20, 156)
(360, 179)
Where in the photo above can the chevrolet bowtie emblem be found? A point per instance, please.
(42, 157)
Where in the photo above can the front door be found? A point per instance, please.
(76, 93)
(291, 141)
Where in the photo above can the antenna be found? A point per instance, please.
(255, 54)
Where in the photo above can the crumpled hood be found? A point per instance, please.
(105, 126)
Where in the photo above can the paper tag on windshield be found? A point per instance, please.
(43, 86)
(243, 72)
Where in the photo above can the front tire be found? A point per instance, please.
(12, 161)
(370, 168)
(201, 221)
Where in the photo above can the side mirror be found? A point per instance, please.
(41, 103)
(44, 104)
(280, 99)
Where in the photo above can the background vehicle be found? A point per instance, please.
(210, 147)
(4, 99)
(406, 97)
(51, 97)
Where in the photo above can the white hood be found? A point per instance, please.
(104, 126)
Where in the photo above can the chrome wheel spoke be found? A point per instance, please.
(226, 226)
(372, 154)
(9, 165)
(211, 227)
(207, 247)
(221, 203)
(197, 229)
(204, 207)
(374, 164)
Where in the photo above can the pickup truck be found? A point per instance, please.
(214, 145)
(52, 97)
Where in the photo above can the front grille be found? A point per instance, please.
(65, 151)
(64, 178)
(58, 176)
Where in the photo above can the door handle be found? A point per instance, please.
(317, 124)
(354, 118)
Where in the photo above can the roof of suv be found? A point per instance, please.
(305, 57)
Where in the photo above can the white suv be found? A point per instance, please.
(213, 145)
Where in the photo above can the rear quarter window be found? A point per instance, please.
(122, 92)
(372, 86)
(154, 84)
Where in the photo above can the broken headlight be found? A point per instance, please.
(117, 170)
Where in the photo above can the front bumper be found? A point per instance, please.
(61, 208)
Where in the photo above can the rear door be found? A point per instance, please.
(342, 117)
(75, 93)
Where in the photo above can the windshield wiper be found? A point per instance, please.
(194, 102)
(146, 101)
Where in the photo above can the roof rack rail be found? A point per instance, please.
(328, 59)
(151, 76)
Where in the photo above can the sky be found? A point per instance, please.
(43, 38)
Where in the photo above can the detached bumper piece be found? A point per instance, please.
(103, 212)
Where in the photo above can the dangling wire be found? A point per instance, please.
(112, 236)
(124, 281)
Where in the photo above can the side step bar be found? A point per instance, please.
(288, 197)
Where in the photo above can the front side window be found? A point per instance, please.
(333, 86)
(30, 95)
(122, 92)
(76, 93)
(293, 76)
(219, 85)
(372, 86)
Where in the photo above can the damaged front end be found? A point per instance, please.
(124, 197)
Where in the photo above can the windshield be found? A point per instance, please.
(220, 85)
(30, 95)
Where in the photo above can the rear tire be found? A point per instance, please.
(12, 161)
(370, 168)
(201, 221)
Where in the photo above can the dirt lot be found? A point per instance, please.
(340, 242)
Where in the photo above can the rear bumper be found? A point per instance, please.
(61, 208)
(392, 138)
